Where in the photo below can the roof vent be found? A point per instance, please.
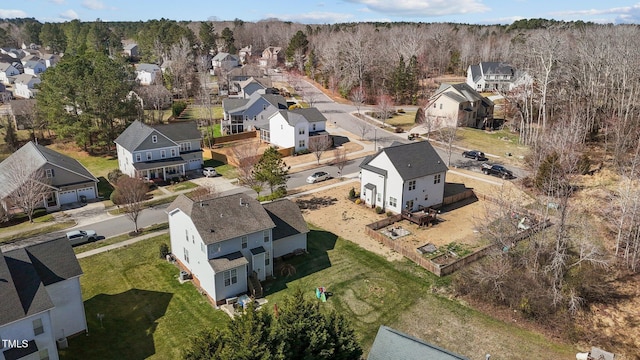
(212, 230)
(220, 214)
(408, 165)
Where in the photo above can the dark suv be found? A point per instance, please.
(474, 154)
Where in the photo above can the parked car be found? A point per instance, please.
(77, 237)
(318, 176)
(209, 172)
(497, 170)
(474, 154)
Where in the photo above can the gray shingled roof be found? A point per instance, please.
(22, 107)
(496, 68)
(391, 344)
(26, 78)
(287, 217)
(225, 217)
(147, 67)
(227, 262)
(32, 157)
(413, 160)
(476, 74)
(136, 133)
(311, 114)
(365, 165)
(24, 273)
(462, 89)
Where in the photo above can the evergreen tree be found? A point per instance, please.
(271, 169)
(297, 49)
(399, 81)
(229, 40)
(207, 36)
(412, 81)
(10, 136)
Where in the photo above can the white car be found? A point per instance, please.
(81, 236)
(209, 172)
(318, 176)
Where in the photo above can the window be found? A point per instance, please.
(412, 185)
(301, 131)
(186, 234)
(148, 156)
(393, 201)
(138, 157)
(48, 173)
(264, 107)
(434, 105)
(426, 197)
(154, 138)
(44, 354)
(436, 178)
(173, 152)
(267, 258)
(244, 242)
(265, 235)
(37, 327)
(230, 277)
(163, 154)
(185, 146)
(409, 205)
(301, 143)
(440, 106)
(314, 127)
(186, 255)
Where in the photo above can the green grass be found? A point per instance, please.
(226, 170)
(57, 226)
(185, 185)
(98, 166)
(116, 239)
(217, 131)
(201, 112)
(148, 204)
(146, 312)
(495, 142)
(405, 121)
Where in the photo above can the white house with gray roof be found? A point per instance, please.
(491, 76)
(159, 151)
(148, 74)
(68, 180)
(7, 73)
(41, 298)
(456, 105)
(250, 114)
(403, 177)
(297, 128)
(228, 242)
(24, 86)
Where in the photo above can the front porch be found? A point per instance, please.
(164, 169)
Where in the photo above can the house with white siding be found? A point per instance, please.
(25, 86)
(148, 74)
(456, 105)
(297, 128)
(41, 298)
(228, 243)
(403, 177)
(491, 76)
(253, 113)
(159, 151)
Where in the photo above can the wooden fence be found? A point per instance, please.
(235, 137)
(458, 197)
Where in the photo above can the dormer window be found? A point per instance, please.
(154, 138)
(48, 173)
(138, 157)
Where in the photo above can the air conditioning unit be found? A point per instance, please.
(184, 276)
(62, 343)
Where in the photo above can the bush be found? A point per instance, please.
(398, 130)
(114, 197)
(389, 213)
(114, 175)
(358, 201)
(352, 193)
(177, 108)
(379, 210)
(164, 251)
(400, 111)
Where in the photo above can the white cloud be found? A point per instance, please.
(10, 13)
(59, 2)
(624, 14)
(93, 4)
(69, 15)
(316, 17)
(423, 8)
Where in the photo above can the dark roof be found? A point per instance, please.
(370, 186)
(258, 250)
(365, 165)
(227, 262)
(136, 133)
(494, 67)
(391, 344)
(24, 273)
(153, 164)
(412, 161)
(476, 74)
(311, 114)
(287, 217)
(226, 217)
(22, 107)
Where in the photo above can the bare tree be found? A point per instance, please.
(155, 98)
(32, 186)
(340, 159)
(358, 97)
(363, 128)
(247, 156)
(319, 146)
(385, 107)
(448, 135)
(203, 193)
(130, 195)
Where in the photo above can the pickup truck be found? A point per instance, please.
(497, 170)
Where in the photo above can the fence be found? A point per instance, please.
(235, 137)
(458, 197)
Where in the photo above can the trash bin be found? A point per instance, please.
(83, 199)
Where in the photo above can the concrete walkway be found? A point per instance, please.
(120, 244)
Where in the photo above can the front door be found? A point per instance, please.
(257, 263)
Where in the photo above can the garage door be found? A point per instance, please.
(88, 192)
(194, 164)
(67, 197)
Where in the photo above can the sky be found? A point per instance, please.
(327, 11)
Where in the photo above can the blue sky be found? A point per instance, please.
(327, 11)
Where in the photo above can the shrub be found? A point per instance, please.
(358, 201)
(177, 108)
(379, 210)
(114, 197)
(398, 129)
(401, 111)
(164, 251)
(352, 193)
(389, 213)
(114, 175)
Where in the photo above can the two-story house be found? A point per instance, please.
(244, 87)
(227, 242)
(148, 74)
(159, 151)
(491, 76)
(225, 61)
(271, 56)
(403, 177)
(41, 298)
(130, 50)
(7, 72)
(25, 86)
(297, 128)
(34, 67)
(68, 180)
(458, 105)
(250, 114)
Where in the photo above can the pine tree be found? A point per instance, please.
(271, 169)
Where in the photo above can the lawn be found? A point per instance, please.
(98, 166)
(406, 121)
(498, 142)
(116, 239)
(20, 223)
(226, 170)
(201, 112)
(185, 185)
(145, 311)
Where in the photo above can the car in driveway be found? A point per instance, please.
(474, 154)
(497, 170)
(318, 176)
(77, 237)
(209, 172)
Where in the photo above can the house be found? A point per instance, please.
(225, 61)
(7, 72)
(25, 86)
(491, 76)
(249, 114)
(244, 87)
(458, 105)
(298, 128)
(271, 56)
(403, 177)
(69, 181)
(34, 67)
(159, 151)
(41, 299)
(244, 54)
(131, 50)
(51, 59)
(148, 74)
(228, 243)
(22, 113)
(391, 344)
